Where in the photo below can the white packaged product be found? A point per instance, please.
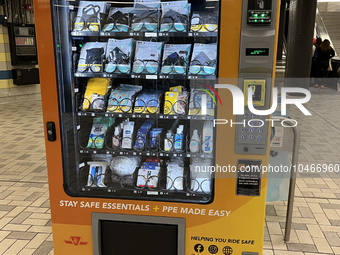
(147, 57)
(175, 176)
(148, 175)
(97, 174)
(127, 135)
(122, 169)
(200, 175)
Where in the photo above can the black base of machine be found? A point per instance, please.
(26, 76)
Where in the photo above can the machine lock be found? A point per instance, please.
(51, 133)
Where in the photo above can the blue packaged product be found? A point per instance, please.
(178, 139)
(155, 137)
(147, 102)
(142, 134)
(141, 138)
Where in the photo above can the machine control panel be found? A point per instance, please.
(255, 72)
(259, 12)
(251, 138)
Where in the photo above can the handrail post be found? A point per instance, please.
(293, 173)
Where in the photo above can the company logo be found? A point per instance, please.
(238, 100)
(75, 240)
(214, 91)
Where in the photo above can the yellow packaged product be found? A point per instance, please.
(96, 90)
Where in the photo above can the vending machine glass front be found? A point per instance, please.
(137, 99)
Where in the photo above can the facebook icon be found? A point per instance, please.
(199, 248)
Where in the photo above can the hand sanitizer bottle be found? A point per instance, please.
(178, 139)
(194, 142)
(115, 138)
(168, 141)
(207, 137)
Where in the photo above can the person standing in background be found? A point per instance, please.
(313, 72)
(324, 53)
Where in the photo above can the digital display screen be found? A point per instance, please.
(257, 52)
(128, 238)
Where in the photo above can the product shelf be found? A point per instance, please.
(146, 76)
(126, 187)
(146, 116)
(160, 35)
(155, 195)
(146, 153)
(85, 33)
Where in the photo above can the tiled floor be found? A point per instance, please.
(24, 205)
(316, 215)
(25, 219)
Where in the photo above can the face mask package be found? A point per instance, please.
(91, 57)
(148, 175)
(145, 16)
(90, 16)
(200, 175)
(204, 22)
(204, 59)
(147, 57)
(197, 98)
(175, 58)
(98, 132)
(149, 3)
(97, 170)
(175, 175)
(147, 102)
(118, 56)
(121, 98)
(142, 134)
(118, 20)
(174, 16)
(94, 97)
(122, 169)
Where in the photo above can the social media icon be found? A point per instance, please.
(199, 248)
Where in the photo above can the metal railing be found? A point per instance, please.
(292, 185)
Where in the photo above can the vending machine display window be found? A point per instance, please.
(138, 103)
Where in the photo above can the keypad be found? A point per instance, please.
(253, 130)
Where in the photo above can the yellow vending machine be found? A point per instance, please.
(144, 153)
